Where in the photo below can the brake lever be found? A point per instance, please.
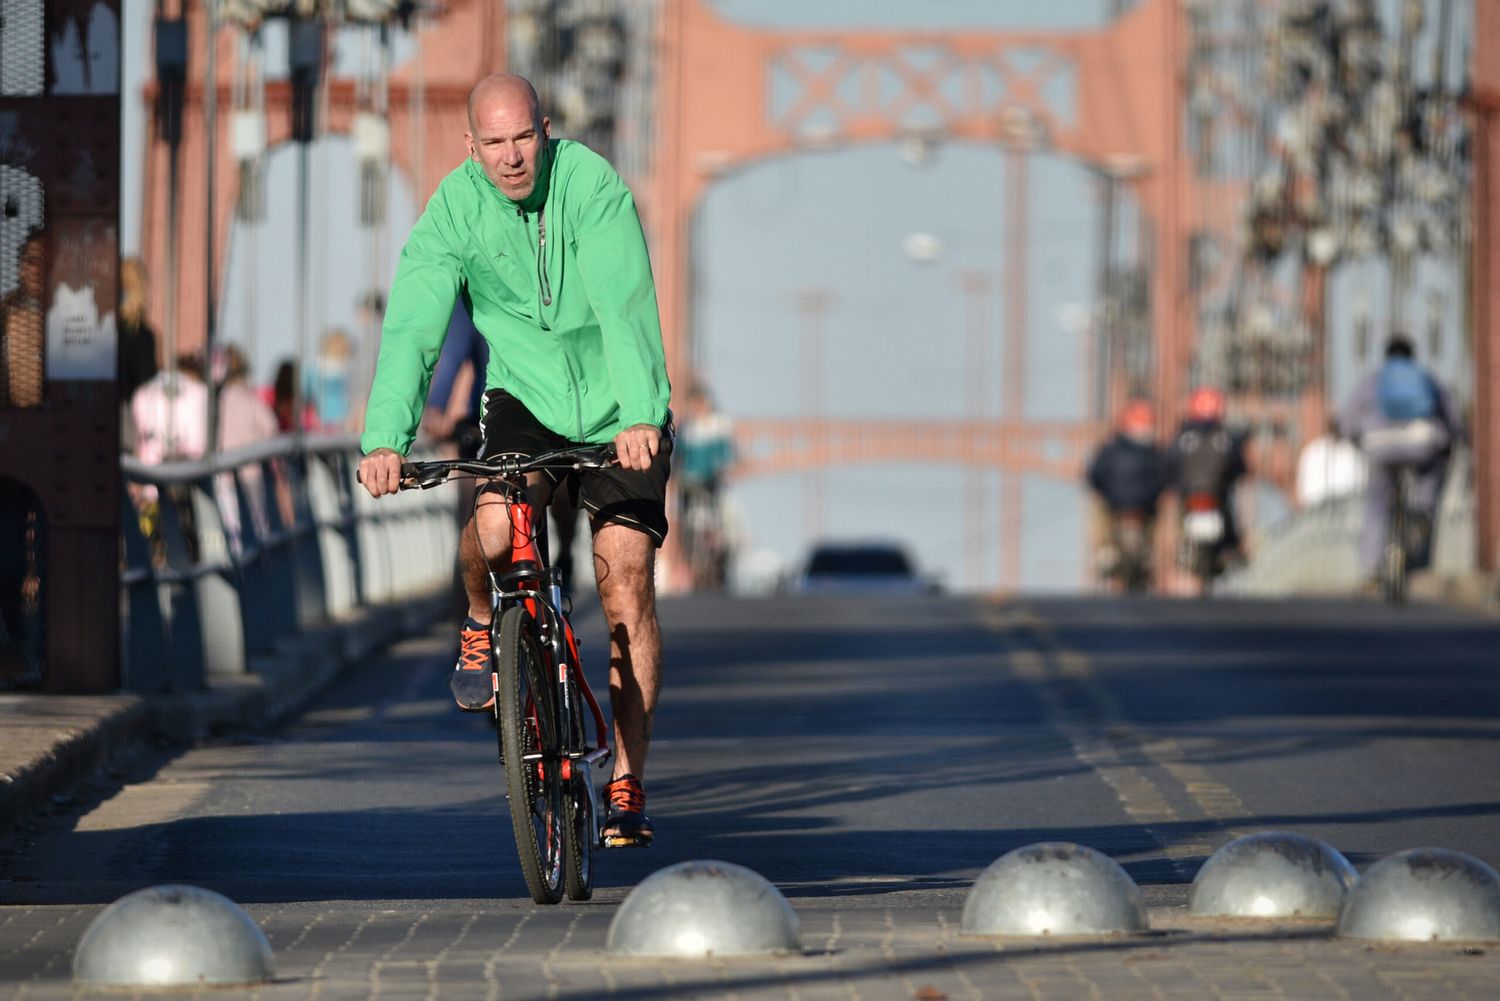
(421, 479)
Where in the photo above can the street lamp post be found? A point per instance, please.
(812, 305)
(977, 286)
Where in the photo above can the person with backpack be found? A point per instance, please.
(1400, 416)
(1206, 460)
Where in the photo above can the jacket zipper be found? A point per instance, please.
(541, 257)
(544, 286)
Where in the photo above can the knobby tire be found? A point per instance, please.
(528, 726)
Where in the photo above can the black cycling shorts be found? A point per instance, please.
(631, 497)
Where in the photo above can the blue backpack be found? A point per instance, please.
(1405, 391)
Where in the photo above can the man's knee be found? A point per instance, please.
(624, 565)
(625, 584)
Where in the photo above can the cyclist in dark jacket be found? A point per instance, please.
(1128, 473)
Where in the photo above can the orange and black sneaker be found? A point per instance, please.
(473, 683)
(625, 822)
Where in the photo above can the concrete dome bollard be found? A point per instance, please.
(1425, 895)
(172, 936)
(1054, 888)
(704, 908)
(1272, 875)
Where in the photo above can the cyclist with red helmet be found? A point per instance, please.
(1207, 459)
(1128, 473)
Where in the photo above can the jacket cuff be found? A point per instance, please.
(654, 414)
(371, 440)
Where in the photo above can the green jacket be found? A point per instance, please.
(572, 327)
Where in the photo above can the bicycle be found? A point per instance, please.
(703, 538)
(541, 693)
(1405, 538)
(1127, 556)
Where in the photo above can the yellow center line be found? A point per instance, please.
(1099, 732)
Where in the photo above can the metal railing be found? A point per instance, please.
(229, 560)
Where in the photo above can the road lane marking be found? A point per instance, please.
(1087, 714)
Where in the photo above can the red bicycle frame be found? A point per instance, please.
(523, 536)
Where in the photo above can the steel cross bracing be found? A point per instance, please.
(768, 445)
(730, 94)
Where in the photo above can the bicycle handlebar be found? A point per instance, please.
(431, 473)
(426, 474)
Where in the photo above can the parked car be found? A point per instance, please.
(867, 567)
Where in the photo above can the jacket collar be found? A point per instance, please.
(538, 196)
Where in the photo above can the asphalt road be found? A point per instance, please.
(868, 756)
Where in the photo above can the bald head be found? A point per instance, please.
(514, 92)
(507, 133)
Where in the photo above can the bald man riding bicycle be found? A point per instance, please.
(539, 239)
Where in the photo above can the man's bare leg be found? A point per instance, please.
(624, 565)
(490, 524)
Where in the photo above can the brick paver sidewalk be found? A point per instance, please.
(522, 952)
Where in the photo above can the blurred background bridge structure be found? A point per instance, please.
(1274, 187)
(1237, 169)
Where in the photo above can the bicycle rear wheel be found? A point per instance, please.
(531, 749)
(1393, 570)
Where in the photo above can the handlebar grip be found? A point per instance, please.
(407, 470)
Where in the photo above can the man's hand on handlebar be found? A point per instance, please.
(380, 471)
(637, 446)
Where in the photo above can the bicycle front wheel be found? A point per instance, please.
(578, 871)
(1393, 571)
(531, 750)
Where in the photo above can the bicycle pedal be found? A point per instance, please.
(624, 841)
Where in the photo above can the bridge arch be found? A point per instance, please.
(731, 94)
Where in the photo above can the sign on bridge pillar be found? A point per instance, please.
(59, 409)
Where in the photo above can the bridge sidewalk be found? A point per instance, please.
(49, 743)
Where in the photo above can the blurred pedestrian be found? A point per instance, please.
(328, 382)
(1328, 467)
(281, 397)
(455, 400)
(244, 419)
(137, 349)
(170, 412)
(137, 338)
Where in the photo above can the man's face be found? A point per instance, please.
(508, 143)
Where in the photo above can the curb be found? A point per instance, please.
(50, 743)
(76, 737)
